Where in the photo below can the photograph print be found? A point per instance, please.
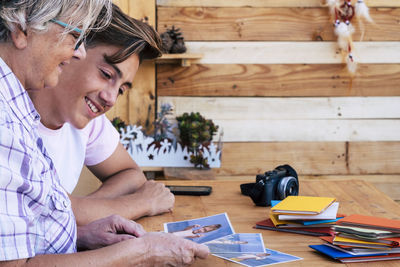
(237, 243)
(269, 257)
(201, 230)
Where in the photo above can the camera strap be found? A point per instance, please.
(253, 190)
(256, 191)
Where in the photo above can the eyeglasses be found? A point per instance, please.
(77, 30)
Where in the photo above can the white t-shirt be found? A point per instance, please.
(71, 148)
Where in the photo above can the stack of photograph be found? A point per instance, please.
(303, 215)
(360, 238)
(217, 233)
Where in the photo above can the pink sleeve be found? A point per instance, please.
(102, 142)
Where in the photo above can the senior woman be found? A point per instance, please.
(37, 226)
(37, 39)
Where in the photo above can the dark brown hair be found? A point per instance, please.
(132, 35)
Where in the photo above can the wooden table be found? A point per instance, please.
(354, 196)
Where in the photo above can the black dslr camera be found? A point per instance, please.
(272, 185)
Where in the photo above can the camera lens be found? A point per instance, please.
(288, 186)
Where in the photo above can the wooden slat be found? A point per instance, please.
(265, 3)
(142, 97)
(177, 173)
(184, 59)
(297, 119)
(277, 80)
(292, 52)
(311, 158)
(143, 9)
(374, 157)
(123, 4)
(271, 24)
(305, 157)
(314, 108)
(179, 56)
(309, 130)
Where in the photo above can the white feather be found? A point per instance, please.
(344, 32)
(332, 4)
(362, 11)
(351, 64)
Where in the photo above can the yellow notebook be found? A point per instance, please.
(303, 205)
(280, 223)
(338, 240)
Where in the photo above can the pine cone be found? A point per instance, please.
(167, 42)
(178, 47)
(173, 41)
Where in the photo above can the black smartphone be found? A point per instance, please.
(190, 190)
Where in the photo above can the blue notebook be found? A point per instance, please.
(337, 254)
(274, 202)
(320, 221)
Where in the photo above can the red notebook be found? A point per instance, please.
(314, 231)
(372, 222)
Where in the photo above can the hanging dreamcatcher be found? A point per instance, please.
(342, 12)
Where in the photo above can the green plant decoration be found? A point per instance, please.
(118, 123)
(195, 131)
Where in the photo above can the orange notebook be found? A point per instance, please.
(393, 242)
(372, 222)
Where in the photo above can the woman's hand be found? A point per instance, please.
(107, 231)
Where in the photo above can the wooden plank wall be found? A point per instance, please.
(273, 79)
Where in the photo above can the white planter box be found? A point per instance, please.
(147, 153)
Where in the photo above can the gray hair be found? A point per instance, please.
(36, 14)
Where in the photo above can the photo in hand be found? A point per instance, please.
(201, 230)
(237, 243)
(258, 259)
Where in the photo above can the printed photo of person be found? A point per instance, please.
(253, 256)
(237, 243)
(258, 259)
(201, 230)
(194, 231)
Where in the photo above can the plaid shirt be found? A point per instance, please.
(35, 211)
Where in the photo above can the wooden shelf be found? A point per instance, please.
(184, 59)
(190, 173)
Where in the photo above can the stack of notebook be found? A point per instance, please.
(302, 215)
(359, 238)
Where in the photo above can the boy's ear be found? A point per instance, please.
(19, 38)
